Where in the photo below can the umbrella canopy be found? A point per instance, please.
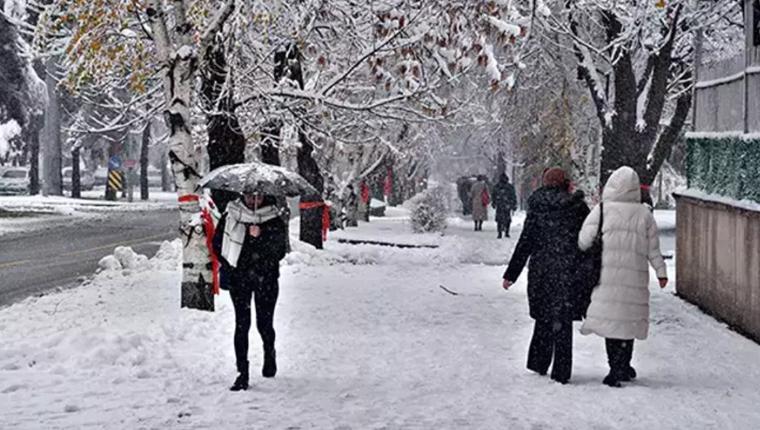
(257, 178)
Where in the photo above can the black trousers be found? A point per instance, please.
(619, 354)
(552, 341)
(503, 227)
(264, 292)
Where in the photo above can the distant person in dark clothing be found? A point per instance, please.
(250, 240)
(504, 201)
(549, 241)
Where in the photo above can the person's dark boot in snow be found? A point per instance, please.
(612, 380)
(241, 382)
(628, 373)
(616, 360)
(270, 363)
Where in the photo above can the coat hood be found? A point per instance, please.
(623, 186)
(547, 200)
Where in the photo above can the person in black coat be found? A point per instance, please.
(250, 267)
(504, 201)
(549, 240)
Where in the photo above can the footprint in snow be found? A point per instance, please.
(13, 388)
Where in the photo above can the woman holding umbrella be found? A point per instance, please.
(250, 240)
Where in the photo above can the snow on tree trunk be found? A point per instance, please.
(181, 68)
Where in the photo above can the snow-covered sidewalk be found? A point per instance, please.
(367, 339)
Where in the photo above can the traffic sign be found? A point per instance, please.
(114, 162)
(130, 164)
(115, 180)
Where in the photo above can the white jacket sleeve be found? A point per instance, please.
(589, 229)
(655, 255)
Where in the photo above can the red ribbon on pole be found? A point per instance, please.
(364, 192)
(208, 225)
(325, 215)
(388, 185)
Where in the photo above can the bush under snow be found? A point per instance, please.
(429, 210)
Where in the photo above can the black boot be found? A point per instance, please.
(241, 382)
(270, 363)
(628, 372)
(616, 360)
(612, 380)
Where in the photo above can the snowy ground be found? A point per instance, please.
(367, 339)
(29, 213)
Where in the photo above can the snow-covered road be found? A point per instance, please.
(367, 339)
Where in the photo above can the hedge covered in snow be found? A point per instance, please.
(728, 165)
(429, 210)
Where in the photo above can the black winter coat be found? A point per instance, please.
(504, 200)
(550, 240)
(260, 256)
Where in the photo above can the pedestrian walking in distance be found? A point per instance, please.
(480, 199)
(504, 201)
(548, 243)
(250, 241)
(619, 309)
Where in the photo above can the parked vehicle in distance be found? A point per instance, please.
(101, 176)
(86, 179)
(14, 180)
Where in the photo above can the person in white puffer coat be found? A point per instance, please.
(619, 309)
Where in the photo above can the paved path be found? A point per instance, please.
(31, 263)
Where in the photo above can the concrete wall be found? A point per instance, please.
(718, 261)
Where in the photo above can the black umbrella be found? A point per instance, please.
(257, 178)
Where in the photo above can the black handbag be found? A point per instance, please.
(594, 263)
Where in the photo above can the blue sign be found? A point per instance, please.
(114, 163)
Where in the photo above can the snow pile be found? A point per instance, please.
(429, 210)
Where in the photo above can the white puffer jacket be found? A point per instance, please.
(620, 303)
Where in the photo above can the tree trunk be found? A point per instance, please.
(53, 183)
(34, 154)
(144, 151)
(76, 183)
(166, 177)
(179, 75)
(312, 218)
(288, 64)
(626, 142)
(226, 142)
